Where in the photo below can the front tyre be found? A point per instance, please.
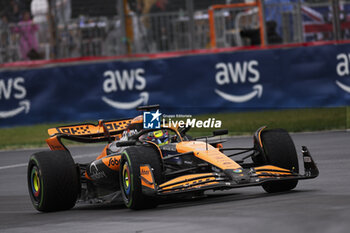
(53, 181)
(130, 182)
(278, 150)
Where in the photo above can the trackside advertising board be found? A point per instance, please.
(301, 77)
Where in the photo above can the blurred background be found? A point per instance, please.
(56, 29)
(282, 63)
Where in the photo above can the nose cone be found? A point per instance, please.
(208, 153)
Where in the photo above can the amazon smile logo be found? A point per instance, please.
(343, 70)
(126, 80)
(13, 88)
(239, 73)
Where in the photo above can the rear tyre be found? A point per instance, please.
(279, 150)
(53, 181)
(130, 181)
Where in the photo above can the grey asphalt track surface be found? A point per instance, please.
(318, 205)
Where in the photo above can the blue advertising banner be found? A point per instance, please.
(317, 76)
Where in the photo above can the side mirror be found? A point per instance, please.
(126, 143)
(184, 130)
(220, 132)
(148, 107)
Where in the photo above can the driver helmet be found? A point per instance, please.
(160, 137)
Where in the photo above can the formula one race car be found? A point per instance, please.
(143, 166)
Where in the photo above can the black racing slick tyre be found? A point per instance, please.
(130, 181)
(53, 181)
(279, 150)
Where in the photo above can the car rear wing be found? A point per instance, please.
(90, 130)
(87, 133)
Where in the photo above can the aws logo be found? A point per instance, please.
(13, 88)
(227, 73)
(124, 81)
(343, 70)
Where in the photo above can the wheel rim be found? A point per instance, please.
(35, 183)
(126, 179)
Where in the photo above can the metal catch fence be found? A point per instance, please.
(130, 32)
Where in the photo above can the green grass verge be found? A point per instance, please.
(24, 136)
(300, 120)
(237, 124)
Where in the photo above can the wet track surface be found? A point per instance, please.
(318, 205)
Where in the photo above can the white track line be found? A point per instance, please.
(25, 164)
(14, 166)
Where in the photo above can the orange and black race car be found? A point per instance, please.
(143, 166)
